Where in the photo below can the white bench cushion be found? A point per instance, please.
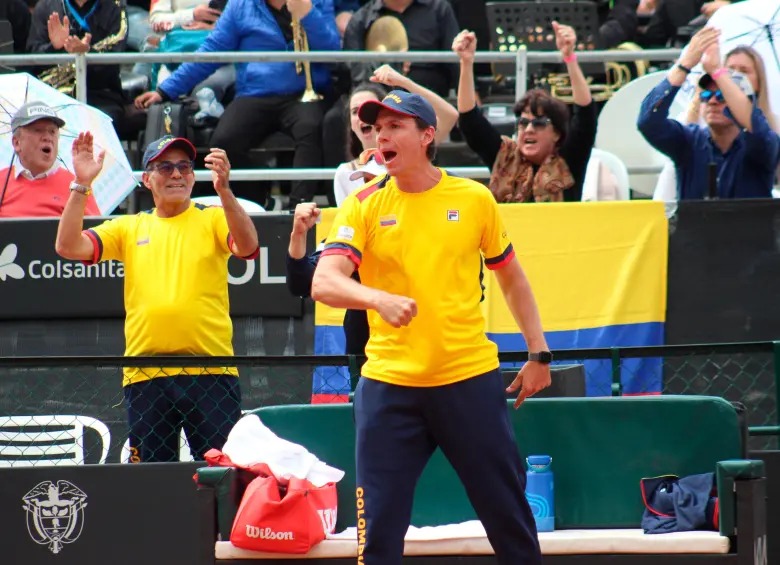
(469, 539)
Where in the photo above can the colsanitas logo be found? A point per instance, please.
(256, 532)
(38, 269)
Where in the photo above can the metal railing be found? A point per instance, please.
(49, 392)
(522, 58)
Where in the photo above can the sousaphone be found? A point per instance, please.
(387, 33)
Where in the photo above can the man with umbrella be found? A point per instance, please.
(176, 293)
(37, 186)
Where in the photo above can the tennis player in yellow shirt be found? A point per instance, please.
(431, 379)
(176, 293)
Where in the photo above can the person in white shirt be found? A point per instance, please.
(362, 165)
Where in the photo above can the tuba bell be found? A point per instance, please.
(387, 33)
(301, 45)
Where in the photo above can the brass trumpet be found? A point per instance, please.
(301, 45)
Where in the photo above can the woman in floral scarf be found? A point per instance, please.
(547, 161)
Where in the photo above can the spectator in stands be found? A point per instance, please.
(185, 25)
(744, 60)
(547, 163)
(88, 25)
(38, 185)
(268, 95)
(430, 26)
(300, 272)
(736, 154)
(18, 15)
(363, 164)
(176, 282)
(617, 22)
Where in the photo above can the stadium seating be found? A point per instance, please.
(600, 447)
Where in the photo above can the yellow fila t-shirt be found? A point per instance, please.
(176, 288)
(427, 246)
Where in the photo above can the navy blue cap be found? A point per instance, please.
(155, 148)
(401, 102)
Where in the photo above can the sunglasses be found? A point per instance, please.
(166, 167)
(707, 95)
(536, 123)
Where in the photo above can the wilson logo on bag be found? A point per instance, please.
(267, 533)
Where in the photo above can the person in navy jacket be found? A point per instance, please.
(737, 153)
(267, 93)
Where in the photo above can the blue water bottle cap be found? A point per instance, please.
(539, 462)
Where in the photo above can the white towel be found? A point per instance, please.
(250, 442)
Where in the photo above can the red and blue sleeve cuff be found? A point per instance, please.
(502, 260)
(249, 257)
(97, 247)
(343, 249)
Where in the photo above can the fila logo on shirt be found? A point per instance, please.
(453, 216)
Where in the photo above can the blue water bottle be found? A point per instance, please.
(540, 493)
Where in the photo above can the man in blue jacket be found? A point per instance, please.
(268, 95)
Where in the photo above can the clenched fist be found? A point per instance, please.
(306, 215)
(396, 310)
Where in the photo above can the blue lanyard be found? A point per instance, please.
(82, 21)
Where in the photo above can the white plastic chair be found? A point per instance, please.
(618, 134)
(248, 206)
(614, 164)
(34, 448)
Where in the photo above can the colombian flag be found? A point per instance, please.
(598, 272)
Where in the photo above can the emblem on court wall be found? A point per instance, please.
(55, 513)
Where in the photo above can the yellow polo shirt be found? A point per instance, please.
(176, 287)
(428, 246)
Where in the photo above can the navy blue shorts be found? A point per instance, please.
(205, 406)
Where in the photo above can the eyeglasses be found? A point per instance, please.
(536, 123)
(166, 167)
(706, 95)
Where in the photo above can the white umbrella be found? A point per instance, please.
(755, 23)
(116, 180)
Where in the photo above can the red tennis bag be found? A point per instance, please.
(281, 518)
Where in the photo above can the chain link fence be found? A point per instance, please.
(66, 411)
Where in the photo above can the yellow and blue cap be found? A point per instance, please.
(400, 102)
(156, 148)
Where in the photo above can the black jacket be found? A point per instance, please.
(300, 273)
(17, 13)
(430, 26)
(105, 23)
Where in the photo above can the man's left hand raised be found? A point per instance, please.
(218, 163)
(86, 165)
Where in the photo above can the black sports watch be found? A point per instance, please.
(544, 357)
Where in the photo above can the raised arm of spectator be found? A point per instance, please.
(300, 267)
(38, 40)
(446, 115)
(739, 105)
(668, 135)
(225, 37)
(566, 41)
(480, 136)
(319, 22)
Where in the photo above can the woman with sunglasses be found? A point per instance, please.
(736, 154)
(547, 161)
